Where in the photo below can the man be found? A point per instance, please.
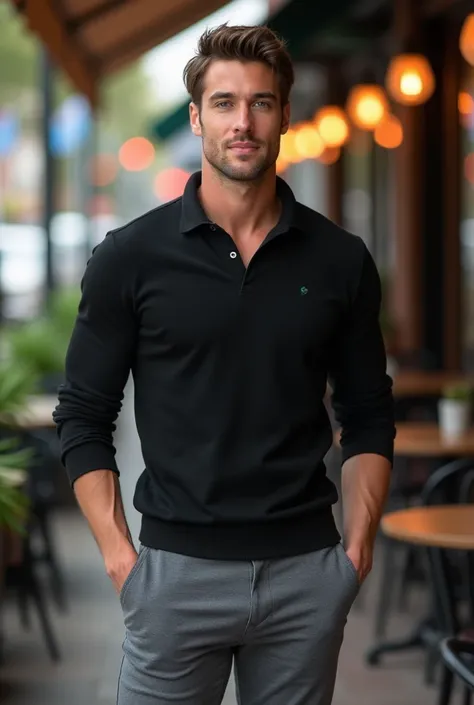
(232, 306)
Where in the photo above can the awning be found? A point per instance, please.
(171, 122)
(302, 22)
(299, 22)
(90, 39)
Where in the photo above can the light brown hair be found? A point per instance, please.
(239, 43)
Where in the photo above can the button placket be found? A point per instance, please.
(222, 242)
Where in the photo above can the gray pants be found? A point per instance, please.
(282, 621)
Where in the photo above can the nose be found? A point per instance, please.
(243, 120)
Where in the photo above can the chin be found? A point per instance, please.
(246, 174)
(240, 169)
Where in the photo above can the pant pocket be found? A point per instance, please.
(142, 553)
(351, 567)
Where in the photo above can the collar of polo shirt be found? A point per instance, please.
(193, 215)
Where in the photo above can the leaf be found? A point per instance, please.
(14, 506)
(16, 383)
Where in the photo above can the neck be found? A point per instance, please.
(239, 207)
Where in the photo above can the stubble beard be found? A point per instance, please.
(248, 171)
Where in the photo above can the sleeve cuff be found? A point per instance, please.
(87, 458)
(377, 446)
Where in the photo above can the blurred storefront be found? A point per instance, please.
(406, 189)
(405, 184)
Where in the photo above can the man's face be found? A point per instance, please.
(241, 119)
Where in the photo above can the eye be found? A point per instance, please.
(262, 103)
(223, 104)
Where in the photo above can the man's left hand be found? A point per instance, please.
(361, 556)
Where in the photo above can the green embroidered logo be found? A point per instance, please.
(303, 291)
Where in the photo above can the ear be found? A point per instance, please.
(195, 120)
(285, 119)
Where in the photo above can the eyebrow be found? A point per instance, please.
(223, 95)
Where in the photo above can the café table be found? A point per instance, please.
(424, 439)
(443, 526)
(416, 440)
(426, 383)
(437, 529)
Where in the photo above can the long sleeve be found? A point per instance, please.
(362, 391)
(98, 363)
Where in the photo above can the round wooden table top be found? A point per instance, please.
(425, 439)
(418, 439)
(440, 527)
(420, 383)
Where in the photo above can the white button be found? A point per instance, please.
(233, 255)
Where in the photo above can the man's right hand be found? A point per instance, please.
(119, 566)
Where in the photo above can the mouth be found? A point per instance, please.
(244, 147)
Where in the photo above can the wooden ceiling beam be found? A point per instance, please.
(80, 21)
(155, 34)
(44, 22)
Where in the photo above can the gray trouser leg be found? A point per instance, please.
(282, 619)
(291, 658)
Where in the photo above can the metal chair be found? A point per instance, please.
(450, 484)
(458, 659)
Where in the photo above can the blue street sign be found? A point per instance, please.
(70, 125)
(9, 131)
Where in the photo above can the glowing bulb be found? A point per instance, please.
(411, 83)
(466, 39)
(288, 151)
(465, 103)
(367, 105)
(332, 125)
(308, 142)
(410, 79)
(389, 133)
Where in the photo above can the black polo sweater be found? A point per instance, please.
(230, 368)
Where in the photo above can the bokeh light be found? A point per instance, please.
(308, 142)
(330, 155)
(465, 103)
(389, 132)
(281, 165)
(332, 125)
(136, 154)
(466, 39)
(288, 151)
(410, 79)
(367, 105)
(170, 183)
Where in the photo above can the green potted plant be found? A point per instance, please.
(16, 385)
(454, 410)
(14, 462)
(41, 345)
(36, 345)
